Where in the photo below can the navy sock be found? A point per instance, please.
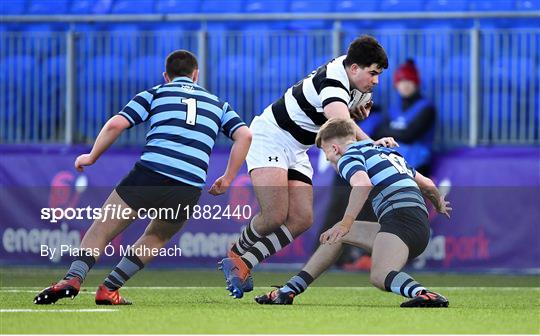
(126, 268)
(298, 283)
(79, 267)
(402, 284)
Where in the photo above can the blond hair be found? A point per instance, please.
(335, 128)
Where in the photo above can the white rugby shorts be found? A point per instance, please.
(272, 146)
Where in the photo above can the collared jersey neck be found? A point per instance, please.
(182, 79)
(360, 143)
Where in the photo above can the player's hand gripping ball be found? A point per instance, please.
(360, 105)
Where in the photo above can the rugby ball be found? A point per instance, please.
(359, 99)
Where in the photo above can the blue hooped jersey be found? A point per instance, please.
(184, 122)
(391, 176)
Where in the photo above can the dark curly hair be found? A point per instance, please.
(365, 51)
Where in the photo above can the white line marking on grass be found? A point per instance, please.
(488, 288)
(30, 290)
(102, 310)
(454, 288)
(33, 291)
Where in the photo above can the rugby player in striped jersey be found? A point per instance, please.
(278, 162)
(184, 122)
(402, 232)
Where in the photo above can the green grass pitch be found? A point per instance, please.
(196, 302)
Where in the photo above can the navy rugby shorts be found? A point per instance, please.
(144, 188)
(411, 225)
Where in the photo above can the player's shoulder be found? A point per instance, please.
(387, 150)
(205, 91)
(337, 62)
(212, 98)
(336, 67)
(342, 162)
(336, 74)
(355, 151)
(151, 91)
(349, 161)
(362, 150)
(145, 95)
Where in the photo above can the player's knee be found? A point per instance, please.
(160, 236)
(162, 232)
(305, 222)
(299, 224)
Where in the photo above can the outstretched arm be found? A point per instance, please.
(429, 189)
(361, 186)
(239, 150)
(107, 136)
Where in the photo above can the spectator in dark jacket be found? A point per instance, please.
(412, 122)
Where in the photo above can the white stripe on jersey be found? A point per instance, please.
(336, 70)
(329, 92)
(313, 101)
(296, 113)
(311, 95)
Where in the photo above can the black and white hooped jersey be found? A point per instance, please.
(300, 110)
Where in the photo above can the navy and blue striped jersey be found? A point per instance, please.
(184, 122)
(391, 176)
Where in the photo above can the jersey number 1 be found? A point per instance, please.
(191, 115)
